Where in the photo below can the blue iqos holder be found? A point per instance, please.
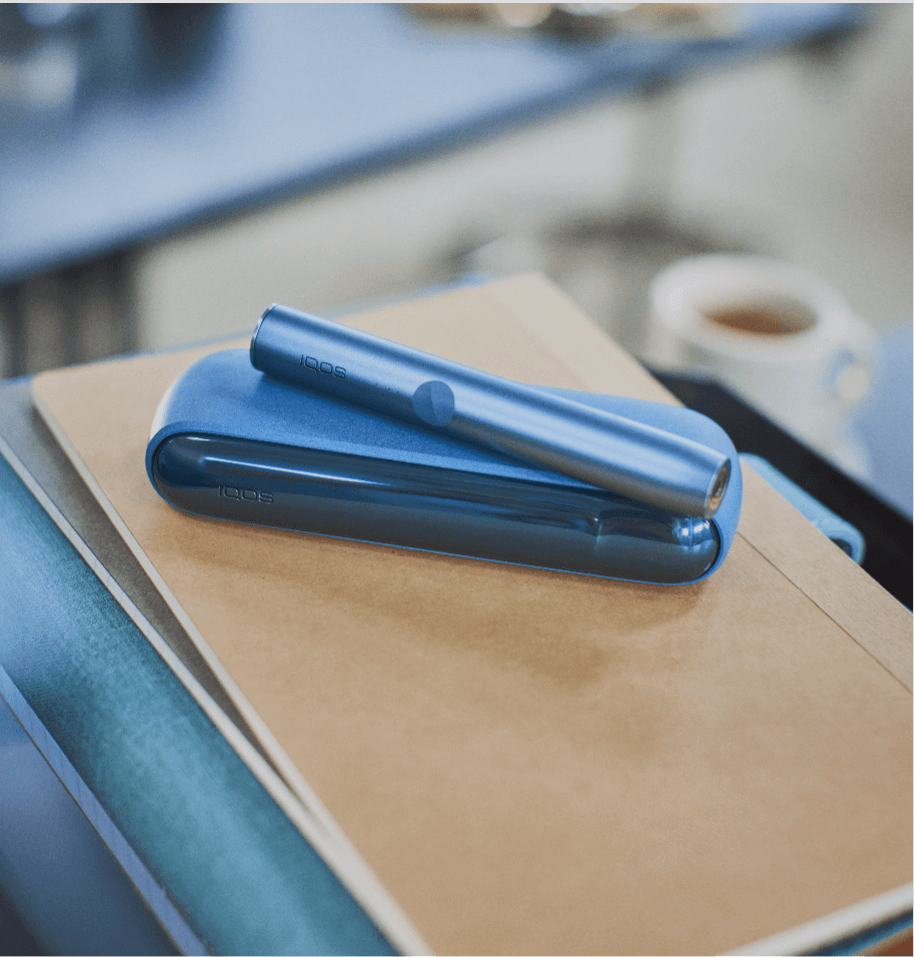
(230, 443)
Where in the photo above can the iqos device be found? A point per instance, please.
(554, 431)
(231, 443)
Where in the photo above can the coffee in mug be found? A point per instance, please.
(776, 334)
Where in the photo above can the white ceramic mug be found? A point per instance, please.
(778, 335)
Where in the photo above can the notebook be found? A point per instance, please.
(514, 760)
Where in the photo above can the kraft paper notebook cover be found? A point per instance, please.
(531, 761)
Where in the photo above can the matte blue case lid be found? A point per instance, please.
(222, 394)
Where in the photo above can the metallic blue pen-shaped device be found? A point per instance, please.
(629, 458)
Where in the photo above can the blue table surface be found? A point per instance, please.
(292, 97)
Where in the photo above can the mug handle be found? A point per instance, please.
(853, 365)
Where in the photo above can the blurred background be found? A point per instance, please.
(169, 170)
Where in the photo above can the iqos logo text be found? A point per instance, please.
(309, 362)
(246, 494)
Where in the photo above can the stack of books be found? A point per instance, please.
(422, 753)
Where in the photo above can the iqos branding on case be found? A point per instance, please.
(316, 365)
(246, 494)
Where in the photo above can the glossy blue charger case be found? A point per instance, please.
(228, 442)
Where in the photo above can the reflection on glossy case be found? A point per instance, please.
(229, 443)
